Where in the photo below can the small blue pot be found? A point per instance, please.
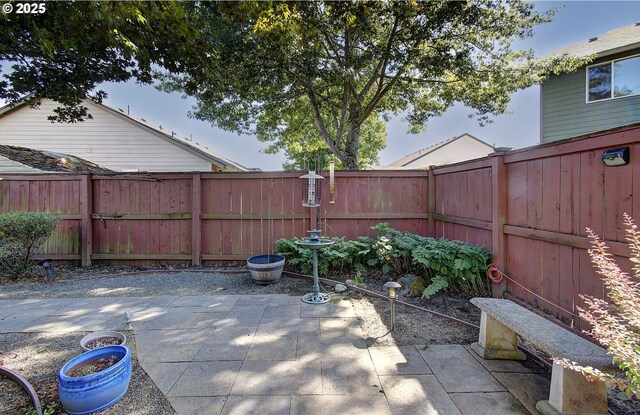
(98, 391)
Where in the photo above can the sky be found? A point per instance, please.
(575, 21)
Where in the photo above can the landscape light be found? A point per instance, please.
(392, 286)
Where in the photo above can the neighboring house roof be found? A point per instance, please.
(168, 135)
(614, 41)
(415, 156)
(39, 160)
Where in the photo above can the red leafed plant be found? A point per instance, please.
(616, 324)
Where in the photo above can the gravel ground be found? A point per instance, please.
(151, 284)
(38, 356)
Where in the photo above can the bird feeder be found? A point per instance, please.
(332, 181)
(311, 189)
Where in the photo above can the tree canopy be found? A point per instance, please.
(340, 63)
(300, 75)
(303, 146)
(67, 51)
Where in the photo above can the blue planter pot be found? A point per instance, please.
(97, 391)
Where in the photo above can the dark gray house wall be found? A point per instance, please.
(565, 113)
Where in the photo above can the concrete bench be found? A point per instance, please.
(500, 323)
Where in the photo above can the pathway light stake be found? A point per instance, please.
(46, 264)
(127, 320)
(392, 286)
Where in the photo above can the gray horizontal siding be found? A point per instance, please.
(565, 113)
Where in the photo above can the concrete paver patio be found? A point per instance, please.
(272, 354)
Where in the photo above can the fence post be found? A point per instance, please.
(431, 202)
(196, 210)
(86, 208)
(499, 215)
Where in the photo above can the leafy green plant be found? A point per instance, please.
(447, 264)
(343, 255)
(438, 283)
(616, 324)
(444, 264)
(298, 258)
(394, 248)
(21, 235)
(50, 409)
(451, 264)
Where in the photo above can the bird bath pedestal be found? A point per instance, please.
(315, 242)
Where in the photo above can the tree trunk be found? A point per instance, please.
(352, 144)
(352, 148)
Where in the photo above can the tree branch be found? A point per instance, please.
(377, 97)
(313, 102)
(423, 80)
(343, 113)
(382, 64)
(329, 45)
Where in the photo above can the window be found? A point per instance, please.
(627, 77)
(613, 79)
(599, 82)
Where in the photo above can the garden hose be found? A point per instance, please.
(494, 274)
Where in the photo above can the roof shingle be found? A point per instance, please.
(50, 161)
(614, 41)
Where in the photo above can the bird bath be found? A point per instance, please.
(314, 243)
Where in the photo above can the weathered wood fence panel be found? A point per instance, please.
(59, 195)
(241, 213)
(364, 199)
(206, 217)
(138, 217)
(552, 193)
(463, 202)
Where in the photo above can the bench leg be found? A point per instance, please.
(497, 341)
(571, 393)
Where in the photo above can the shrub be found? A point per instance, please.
(342, 256)
(21, 235)
(616, 324)
(394, 248)
(444, 264)
(451, 264)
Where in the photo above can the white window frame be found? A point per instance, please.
(613, 79)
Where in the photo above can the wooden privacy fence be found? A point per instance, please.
(531, 207)
(206, 217)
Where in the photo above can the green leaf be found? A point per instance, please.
(437, 284)
(623, 396)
